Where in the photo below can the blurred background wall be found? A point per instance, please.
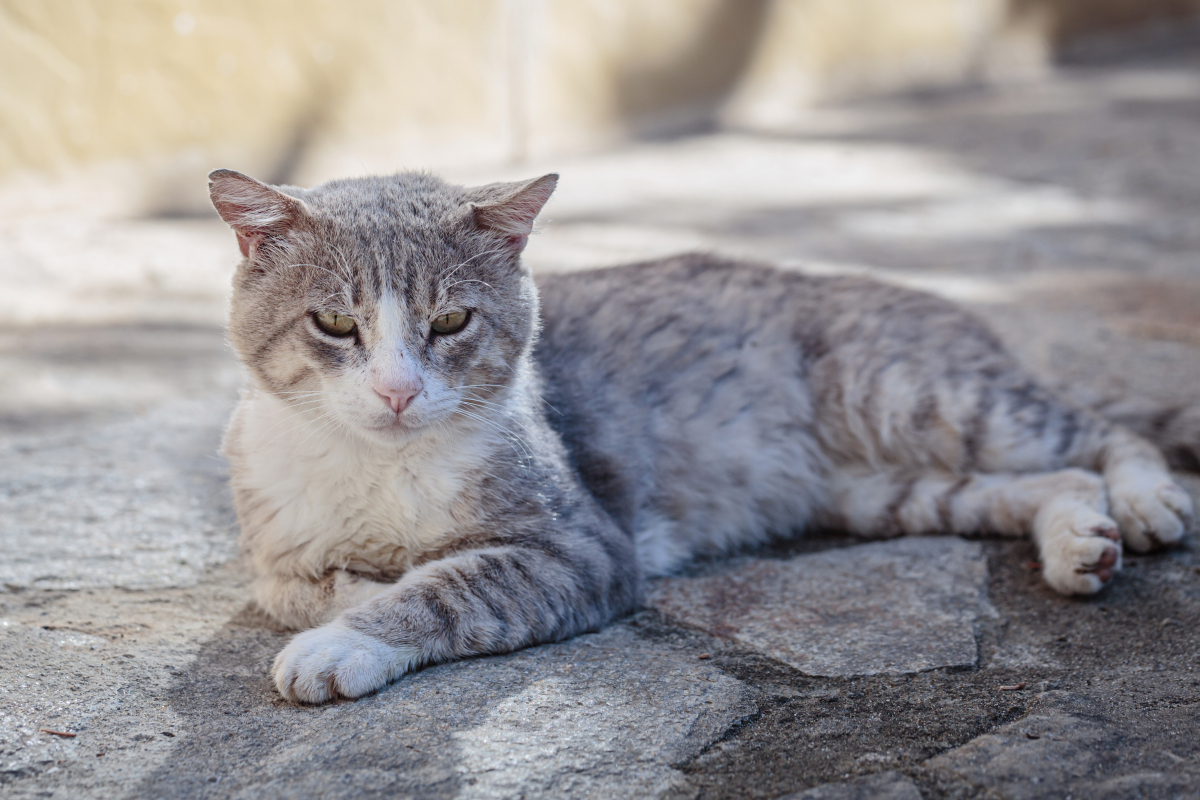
(304, 90)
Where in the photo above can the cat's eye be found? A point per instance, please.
(451, 322)
(335, 324)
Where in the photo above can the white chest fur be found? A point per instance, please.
(316, 497)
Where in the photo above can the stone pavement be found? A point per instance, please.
(1066, 213)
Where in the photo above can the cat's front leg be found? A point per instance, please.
(486, 601)
(300, 602)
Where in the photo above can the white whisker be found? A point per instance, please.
(303, 421)
(443, 287)
(468, 280)
(329, 421)
(516, 441)
(293, 410)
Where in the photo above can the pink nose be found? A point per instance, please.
(397, 397)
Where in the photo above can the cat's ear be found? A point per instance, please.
(511, 208)
(254, 210)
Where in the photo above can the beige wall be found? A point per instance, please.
(307, 89)
(251, 80)
(825, 49)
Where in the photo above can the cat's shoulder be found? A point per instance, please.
(705, 278)
(696, 269)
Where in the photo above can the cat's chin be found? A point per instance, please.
(396, 431)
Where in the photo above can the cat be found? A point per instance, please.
(438, 456)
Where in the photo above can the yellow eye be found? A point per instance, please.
(335, 324)
(453, 322)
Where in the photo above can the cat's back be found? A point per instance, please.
(629, 322)
(650, 322)
(671, 381)
(706, 391)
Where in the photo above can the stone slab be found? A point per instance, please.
(888, 785)
(1071, 745)
(99, 664)
(602, 715)
(900, 606)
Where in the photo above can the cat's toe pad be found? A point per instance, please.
(1151, 516)
(335, 661)
(1084, 558)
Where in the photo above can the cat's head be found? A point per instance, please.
(392, 304)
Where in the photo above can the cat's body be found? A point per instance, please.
(425, 494)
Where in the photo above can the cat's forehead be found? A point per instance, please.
(410, 193)
(404, 217)
(387, 210)
(395, 235)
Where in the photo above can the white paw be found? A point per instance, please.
(1151, 513)
(336, 661)
(1081, 553)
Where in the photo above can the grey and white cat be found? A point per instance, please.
(440, 457)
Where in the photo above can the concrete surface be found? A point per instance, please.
(1065, 212)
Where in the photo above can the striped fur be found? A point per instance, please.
(667, 410)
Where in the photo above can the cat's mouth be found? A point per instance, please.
(397, 422)
(397, 425)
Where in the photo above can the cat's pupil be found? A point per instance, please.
(448, 323)
(335, 324)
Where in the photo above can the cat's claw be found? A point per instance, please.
(335, 661)
(1151, 517)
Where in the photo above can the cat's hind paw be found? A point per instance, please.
(1152, 514)
(336, 661)
(1083, 558)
